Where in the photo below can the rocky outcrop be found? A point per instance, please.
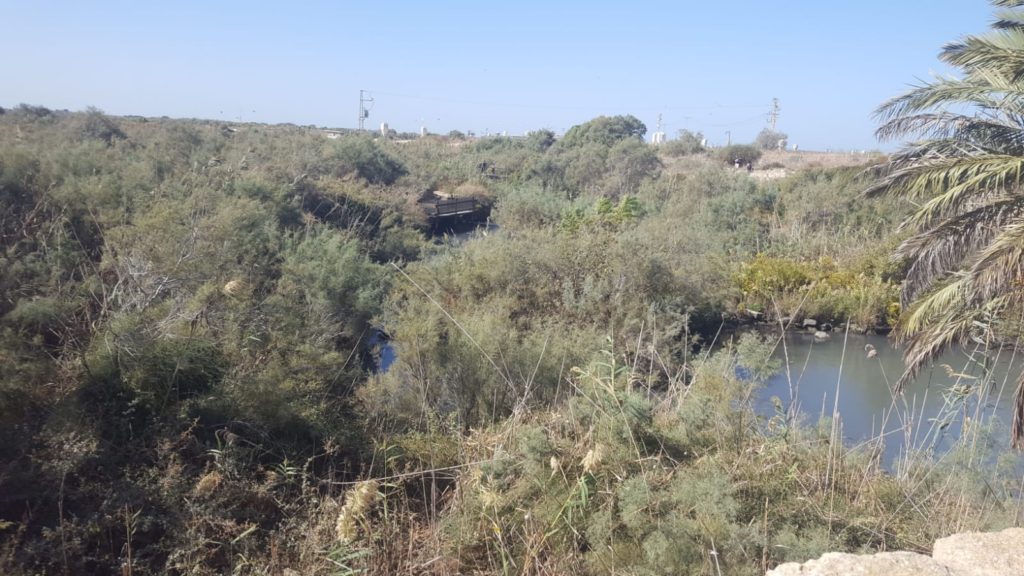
(968, 554)
(982, 554)
(884, 563)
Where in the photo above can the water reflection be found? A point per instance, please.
(928, 415)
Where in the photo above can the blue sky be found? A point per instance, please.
(487, 66)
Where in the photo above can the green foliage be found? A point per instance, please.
(608, 480)
(605, 131)
(780, 287)
(98, 126)
(540, 140)
(186, 312)
(365, 158)
(686, 143)
(739, 153)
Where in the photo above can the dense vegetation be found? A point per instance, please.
(188, 312)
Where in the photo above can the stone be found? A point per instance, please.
(826, 327)
(967, 554)
(810, 323)
(881, 564)
(819, 335)
(982, 554)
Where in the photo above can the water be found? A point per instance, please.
(383, 352)
(923, 415)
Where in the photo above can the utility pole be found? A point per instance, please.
(728, 136)
(773, 115)
(364, 112)
(659, 135)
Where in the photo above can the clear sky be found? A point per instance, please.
(487, 66)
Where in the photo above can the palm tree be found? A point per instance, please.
(965, 174)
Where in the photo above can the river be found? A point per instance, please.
(930, 414)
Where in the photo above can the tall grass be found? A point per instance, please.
(620, 477)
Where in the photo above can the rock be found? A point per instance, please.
(810, 323)
(968, 554)
(881, 564)
(819, 335)
(982, 554)
(826, 326)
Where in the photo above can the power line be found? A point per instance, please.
(562, 107)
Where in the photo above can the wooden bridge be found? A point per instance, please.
(446, 213)
(444, 208)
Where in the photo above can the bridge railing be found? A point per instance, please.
(454, 206)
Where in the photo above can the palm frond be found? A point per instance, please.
(944, 248)
(1000, 52)
(925, 310)
(999, 267)
(979, 92)
(936, 330)
(1008, 20)
(951, 183)
(965, 172)
(972, 132)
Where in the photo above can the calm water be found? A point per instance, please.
(928, 414)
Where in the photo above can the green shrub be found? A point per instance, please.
(739, 153)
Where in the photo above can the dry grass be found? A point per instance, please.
(802, 160)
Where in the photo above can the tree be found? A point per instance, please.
(540, 140)
(364, 157)
(769, 139)
(965, 171)
(686, 143)
(739, 154)
(629, 162)
(604, 130)
(98, 126)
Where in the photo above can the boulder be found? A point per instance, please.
(982, 554)
(810, 323)
(881, 564)
(819, 335)
(967, 554)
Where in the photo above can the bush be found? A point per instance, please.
(604, 130)
(364, 157)
(742, 154)
(685, 144)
